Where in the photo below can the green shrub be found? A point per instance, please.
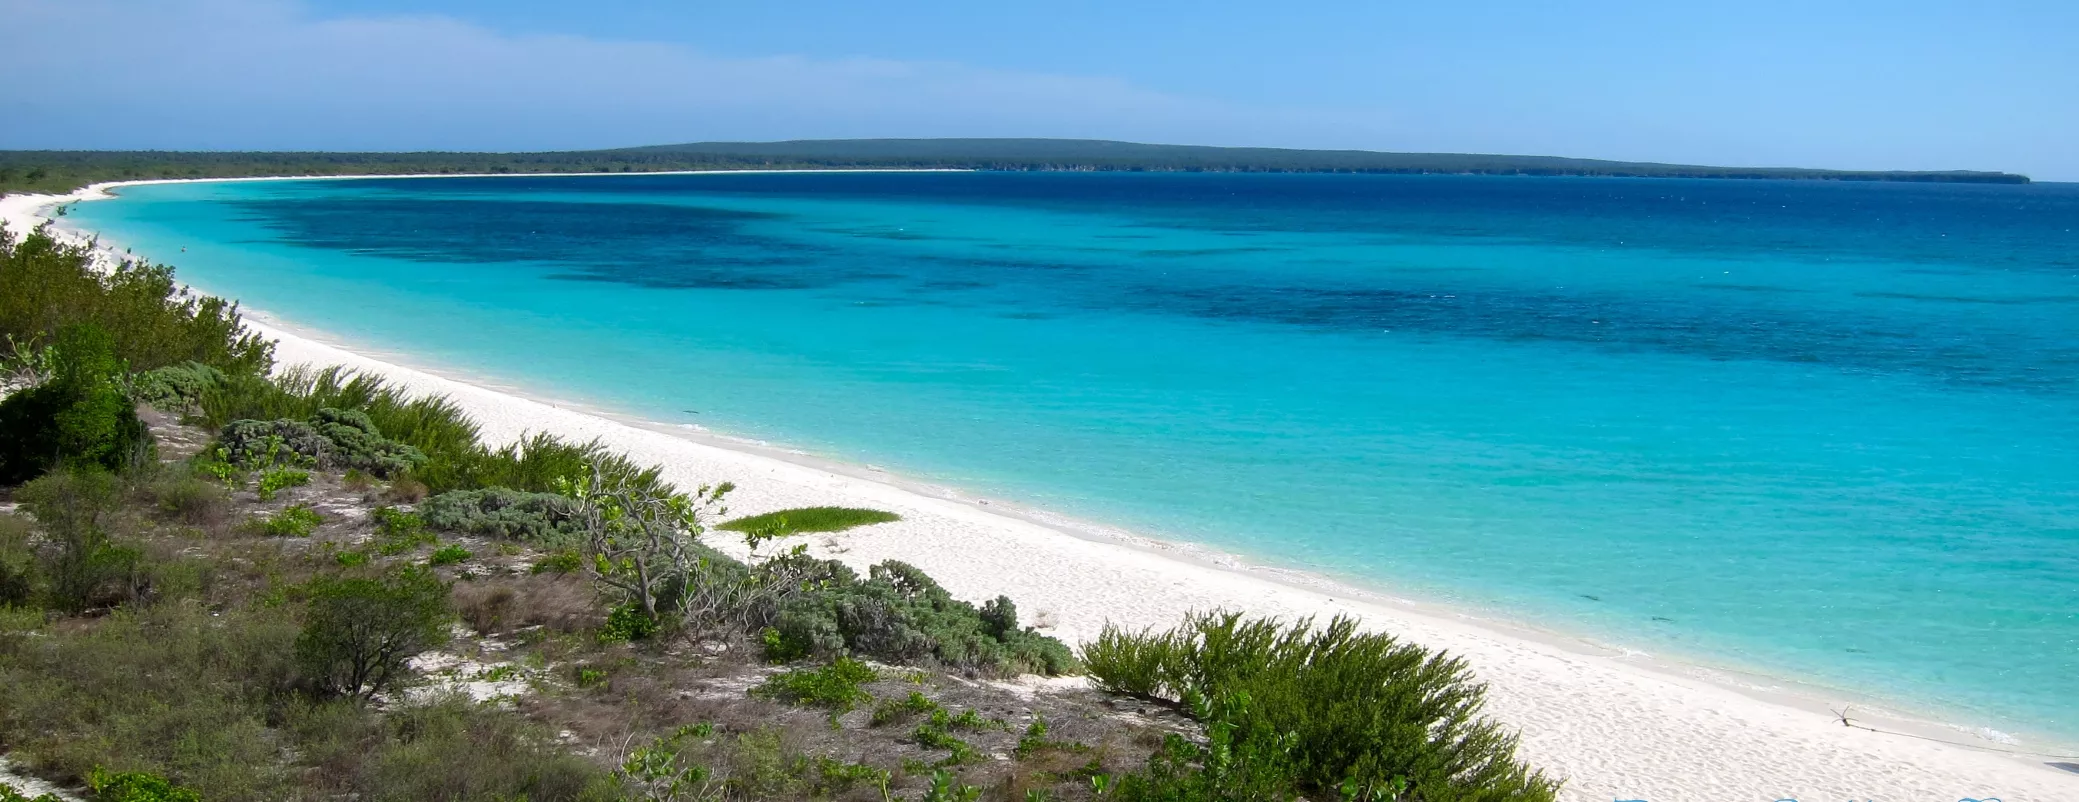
(296, 520)
(176, 388)
(448, 555)
(78, 416)
(261, 444)
(190, 499)
(275, 480)
(151, 322)
(808, 519)
(834, 687)
(543, 519)
(83, 567)
(136, 786)
(562, 562)
(628, 622)
(1331, 710)
(892, 711)
(901, 615)
(360, 632)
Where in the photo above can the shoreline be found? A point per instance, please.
(1617, 725)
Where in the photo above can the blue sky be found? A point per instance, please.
(1899, 85)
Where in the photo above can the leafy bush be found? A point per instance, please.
(258, 445)
(190, 499)
(360, 632)
(628, 622)
(176, 388)
(448, 555)
(137, 786)
(83, 566)
(834, 687)
(296, 520)
(808, 519)
(79, 416)
(543, 519)
(1331, 710)
(151, 322)
(275, 480)
(562, 562)
(901, 615)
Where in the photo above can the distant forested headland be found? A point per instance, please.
(66, 170)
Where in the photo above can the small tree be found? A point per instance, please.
(640, 541)
(84, 567)
(80, 414)
(360, 632)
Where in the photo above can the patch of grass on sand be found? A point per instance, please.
(808, 519)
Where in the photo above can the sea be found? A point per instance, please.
(1819, 431)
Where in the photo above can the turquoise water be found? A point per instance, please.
(1822, 430)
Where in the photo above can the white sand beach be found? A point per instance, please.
(1614, 725)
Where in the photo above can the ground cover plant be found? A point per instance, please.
(808, 519)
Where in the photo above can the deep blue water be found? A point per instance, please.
(1825, 430)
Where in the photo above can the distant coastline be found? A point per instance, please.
(62, 171)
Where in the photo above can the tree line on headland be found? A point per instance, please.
(66, 170)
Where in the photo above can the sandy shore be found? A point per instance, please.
(1617, 726)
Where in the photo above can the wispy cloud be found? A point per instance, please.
(268, 74)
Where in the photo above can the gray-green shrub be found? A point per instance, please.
(542, 519)
(901, 615)
(176, 388)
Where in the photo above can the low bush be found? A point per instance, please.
(899, 614)
(562, 562)
(176, 388)
(275, 480)
(360, 632)
(332, 438)
(834, 687)
(184, 497)
(808, 519)
(1325, 711)
(296, 520)
(137, 786)
(449, 555)
(79, 416)
(81, 565)
(542, 519)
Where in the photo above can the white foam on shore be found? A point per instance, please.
(1615, 725)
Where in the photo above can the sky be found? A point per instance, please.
(1893, 85)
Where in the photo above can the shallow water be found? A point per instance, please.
(1822, 430)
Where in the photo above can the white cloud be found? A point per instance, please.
(267, 74)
